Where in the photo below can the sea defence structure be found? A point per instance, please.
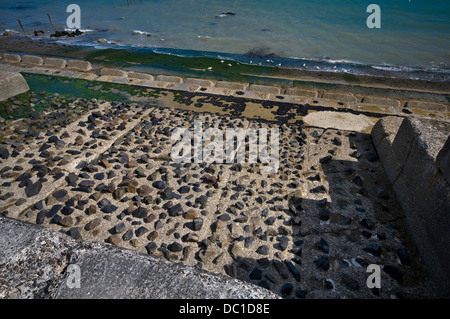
(416, 157)
(11, 84)
(413, 151)
(27, 250)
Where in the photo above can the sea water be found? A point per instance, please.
(414, 37)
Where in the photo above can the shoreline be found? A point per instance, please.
(156, 63)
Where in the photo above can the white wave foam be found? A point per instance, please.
(82, 30)
(139, 32)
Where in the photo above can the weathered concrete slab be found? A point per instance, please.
(232, 85)
(11, 58)
(383, 135)
(426, 105)
(200, 82)
(443, 160)
(345, 97)
(301, 92)
(79, 65)
(265, 89)
(168, 78)
(32, 60)
(140, 76)
(375, 100)
(113, 72)
(410, 161)
(55, 63)
(12, 84)
(34, 261)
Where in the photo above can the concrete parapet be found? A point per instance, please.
(79, 65)
(232, 85)
(375, 100)
(27, 251)
(11, 58)
(168, 78)
(113, 72)
(345, 97)
(443, 160)
(201, 82)
(140, 76)
(425, 105)
(409, 152)
(33, 60)
(301, 92)
(265, 89)
(12, 84)
(55, 63)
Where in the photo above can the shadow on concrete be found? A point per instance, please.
(325, 246)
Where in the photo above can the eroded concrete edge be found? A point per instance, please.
(408, 149)
(84, 70)
(34, 263)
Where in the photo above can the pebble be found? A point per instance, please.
(403, 256)
(141, 231)
(292, 269)
(323, 263)
(93, 224)
(198, 223)
(256, 274)
(33, 189)
(151, 248)
(175, 247)
(287, 289)
(66, 221)
(263, 250)
(159, 184)
(113, 240)
(176, 210)
(373, 249)
(4, 153)
(349, 282)
(127, 235)
(394, 272)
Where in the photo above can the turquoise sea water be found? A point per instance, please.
(327, 35)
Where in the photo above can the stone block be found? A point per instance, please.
(265, 89)
(32, 60)
(79, 65)
(12, 84)
(375, 100)
(168, 78)
(301, 92)
(113, 72)
(55, 63)
(140, 76)
(200, 82)
(232, 85)
(345, 97)
(425, 105)
(11, 58)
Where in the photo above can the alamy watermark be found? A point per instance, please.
(374, 280)
(74, 277)
(74, 19)
(374, 19)
(211, 146)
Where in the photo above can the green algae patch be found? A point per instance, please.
(47, 92)
(200, 67)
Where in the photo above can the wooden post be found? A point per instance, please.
(1, 25)
(21, 25)
(49, 19)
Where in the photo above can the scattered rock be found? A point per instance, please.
(323, 263)
(33, 189)
(4, 153)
